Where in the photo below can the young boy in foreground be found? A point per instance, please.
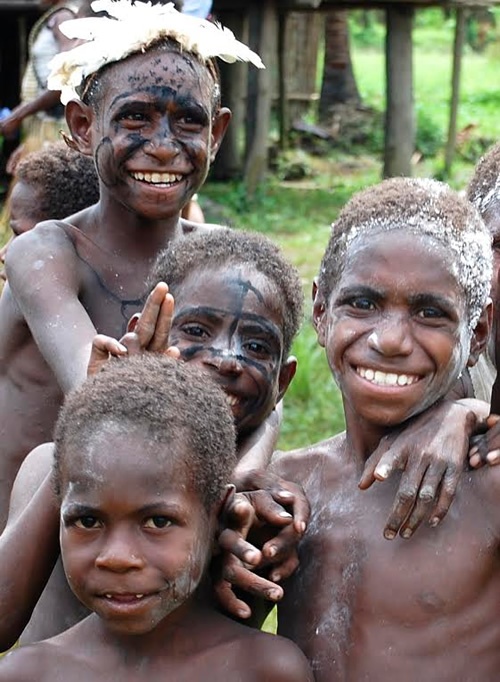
(148, 111)
(400, 311)
(54, 182)
(137, 533)
(238, 308)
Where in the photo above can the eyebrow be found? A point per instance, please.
(433, 299)
(361, 290)
(216, 313)
(184, 101)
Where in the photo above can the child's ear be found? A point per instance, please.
(481, 334)
(79, 117)
(287, 372)
(228, 494)
(219, 127)
(319, 314)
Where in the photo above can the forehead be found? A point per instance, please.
(121, 455)
(398, 261)
(159, 71)
(233, 288)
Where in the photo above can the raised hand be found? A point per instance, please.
(147, 331)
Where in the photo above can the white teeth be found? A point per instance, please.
(139, 596)
(157, 178)
(386, 378)
(108, 596)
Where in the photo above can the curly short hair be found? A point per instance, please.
(421, 207)
(66, 180)
(224, 247)
(173, 402)
(484, 188)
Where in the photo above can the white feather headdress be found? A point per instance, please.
(131, 28)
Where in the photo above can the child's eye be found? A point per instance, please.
(256, 347)
(362, 304)
(431, 313)
(132, 118)
(195, 330)
(157, 522)
(87, 522)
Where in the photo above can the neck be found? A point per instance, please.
(121, 231)
(363, 437)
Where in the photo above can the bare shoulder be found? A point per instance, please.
(271, 658)
(296, 465)
(28, 663)
(48, 243)
(189, 227)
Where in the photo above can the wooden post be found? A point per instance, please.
(263, 23)
(284, 122)
(228, 163)
(399, 123)
(455, 89)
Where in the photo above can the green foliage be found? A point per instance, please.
(430, 137)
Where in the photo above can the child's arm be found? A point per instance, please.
(256, 450)
(432, 451)
(273, 659)
(29, 544)
(43, 287)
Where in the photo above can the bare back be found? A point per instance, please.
(364, 608)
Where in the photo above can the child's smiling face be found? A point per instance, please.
(230, 322)
(395, 329)
(154, 131)
(135, 535)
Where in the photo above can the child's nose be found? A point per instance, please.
(162, 146)
(392, 337)
(118, 554)
(225, 361)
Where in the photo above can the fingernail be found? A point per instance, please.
(382, 472)
(242, 614)
(285, 515)
(493, 457)
(285, 493)
(122, 347)
(475, 460)
(407, 533)
(272, 551)
(473, 451)
(250, 555)
(301, 527)
(275, 577)
(275, 594)
(434, 521)
(389, 534)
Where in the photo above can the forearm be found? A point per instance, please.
(47, 100)
(256, 450)
(29, 548)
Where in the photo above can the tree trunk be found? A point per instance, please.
(399, 123)
(339, 85)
